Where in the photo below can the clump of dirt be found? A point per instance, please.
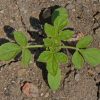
(76, 85)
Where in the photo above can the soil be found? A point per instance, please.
(29, 16)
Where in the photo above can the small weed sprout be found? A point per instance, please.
(53, 44)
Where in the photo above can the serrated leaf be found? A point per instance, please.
(26, 57)
(49, 58)
(8, 51)
(54, 81)
(20, 38)
(52, 43)
(77, 60)
(91, 55)
(60, 22)
(61, 57)
(84, 42)
(45, 56)
(52, 65)
(48, 42)
(57, 41)
(65, 35)
(60, 18)
(50, 30)
(59, 12)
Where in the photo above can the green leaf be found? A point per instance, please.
(54, 81)
(8, 51)
(65, 35)
(60, 18)
(61, 57)
(26, 57)
(77, 60)
(52, 65)
(84, 42)
(50, 30)
(49, 58)
(60, 22)
(20, 38)
(59, 12)
(48, 42)
(52, 43)
(91, 55)
(45, 56)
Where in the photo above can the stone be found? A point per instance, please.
(30, 90)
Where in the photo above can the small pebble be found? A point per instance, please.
(11, 21)
(77, 77)
(41, 94)
(5, 88)
(46, 95)
(73, 10)
(30, 90)
(54, 92)
(2, 11)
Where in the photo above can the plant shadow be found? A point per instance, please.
(3, 40)
(9, 31)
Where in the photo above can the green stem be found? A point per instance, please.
(41, 46)
(69, 47)
(35, 46)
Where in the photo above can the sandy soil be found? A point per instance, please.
(28, 16)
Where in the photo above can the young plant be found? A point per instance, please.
(53, 44)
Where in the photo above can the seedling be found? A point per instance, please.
(53, 44)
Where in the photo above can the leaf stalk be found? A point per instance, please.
(35, 46)
(41, 46)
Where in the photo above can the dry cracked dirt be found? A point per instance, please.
(27, 16)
